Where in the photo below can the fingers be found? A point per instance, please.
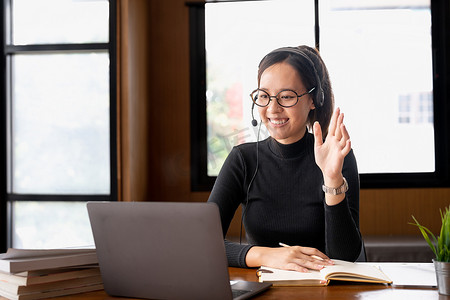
(345, 140)
(315, 254)
(333, 121)
(344, 132)
(318, 139)
(301, 265)
(339, 130)
(347, 148)
(303, 259)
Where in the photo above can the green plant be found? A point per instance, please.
(440, 245)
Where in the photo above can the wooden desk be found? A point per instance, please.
(334, 291)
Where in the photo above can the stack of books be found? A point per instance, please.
(39, 274)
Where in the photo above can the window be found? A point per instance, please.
(387, 67)
(59, 118)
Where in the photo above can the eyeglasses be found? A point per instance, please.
(285, 98)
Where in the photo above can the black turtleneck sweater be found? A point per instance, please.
(285, 200)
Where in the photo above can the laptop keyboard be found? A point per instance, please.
(237, 293)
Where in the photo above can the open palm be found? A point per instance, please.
(330, 154)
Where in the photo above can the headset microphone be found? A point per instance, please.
(254, 122)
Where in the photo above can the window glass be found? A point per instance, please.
(238, 35)
(379, 56)
(60, 21)
(60, 124)
(40, 225)
(58, 113)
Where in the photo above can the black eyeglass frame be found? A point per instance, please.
(276, 97)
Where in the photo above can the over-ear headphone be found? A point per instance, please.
(319, 96)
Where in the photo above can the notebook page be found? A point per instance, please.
(410, 274)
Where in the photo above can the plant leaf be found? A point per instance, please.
(440, 245)
(424, 231)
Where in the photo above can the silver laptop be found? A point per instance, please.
(164, 251)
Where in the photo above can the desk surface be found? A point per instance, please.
(333, 291)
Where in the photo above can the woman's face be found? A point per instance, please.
(286, 125)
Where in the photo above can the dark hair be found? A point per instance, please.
(310, 66)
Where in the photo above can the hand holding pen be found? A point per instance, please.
(295, 258)
(318, 258)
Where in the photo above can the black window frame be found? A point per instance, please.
(8, 50)
(200, 181)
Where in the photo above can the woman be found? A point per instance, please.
(296, 188)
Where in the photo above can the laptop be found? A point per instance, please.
(162, 250)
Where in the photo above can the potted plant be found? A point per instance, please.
(441, 249)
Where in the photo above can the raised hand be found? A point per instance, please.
(330, 154)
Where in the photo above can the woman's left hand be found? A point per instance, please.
(330, 154)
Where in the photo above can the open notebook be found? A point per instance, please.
(341, 270)
(164, 251)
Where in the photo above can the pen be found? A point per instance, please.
(314, 256)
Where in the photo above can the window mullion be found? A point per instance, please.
(14, 49)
